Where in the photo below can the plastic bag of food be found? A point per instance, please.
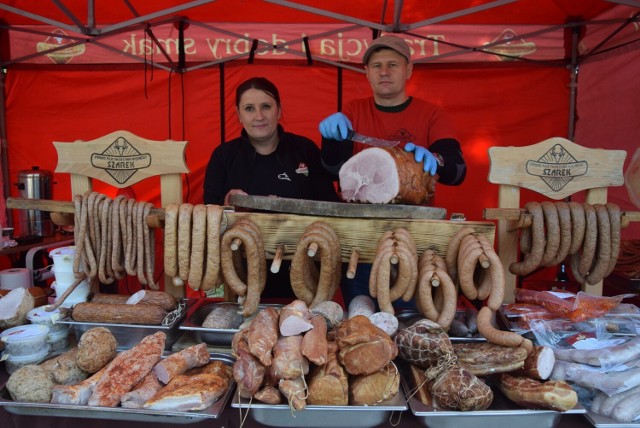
(580, 307)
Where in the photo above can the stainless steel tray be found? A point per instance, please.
(129, 335)
(407, 317)
(211, 336)
(501, 413)
(281, 415)
(119, 413)
(600, 421)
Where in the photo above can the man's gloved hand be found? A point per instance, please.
(335, 127)
(421, 154)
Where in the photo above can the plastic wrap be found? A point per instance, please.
(576, 308)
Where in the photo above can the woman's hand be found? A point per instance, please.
(233, 192)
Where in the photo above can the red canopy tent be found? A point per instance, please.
(509, 72)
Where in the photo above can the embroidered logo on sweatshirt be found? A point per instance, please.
(302, 169)
(283, 176)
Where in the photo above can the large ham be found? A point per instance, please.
(385, 175)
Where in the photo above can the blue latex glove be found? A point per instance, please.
(421, 154)
(335, 127)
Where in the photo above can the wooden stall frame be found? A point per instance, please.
(556, 168)
(122, 159)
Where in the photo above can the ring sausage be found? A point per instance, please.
(171, 239)
(614, 219)
(552, 232)
(450, 299)
(564, 219)
(532, 259)
(590, 240)
(492, 334)
(212, 265)
(451, 258)
(601, 264)
(577, 226)
(184, 239)
(198, 241)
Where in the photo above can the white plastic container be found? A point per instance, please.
(58, 340)
(25, 340)
(40, 316)
(63, 258)
(79, 295)
(64, 277)
(13, 362)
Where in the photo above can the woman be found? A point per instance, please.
(265, 160)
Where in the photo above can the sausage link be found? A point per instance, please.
(384, 244)
(532, 259)
(116, 238)
(383, 279)
(450, 299)
(601, 264)
(253, 229)
(492, 334)
(171, 239)
(485, 287)
(105, 243)
(185, 213)
(577, 226)
(130, 259)
(564, 218)
(552, 232)
(150, 248)
(212, 265)
(470, 251)
(614, 219)
(79, 202)
(198, 240)
(424, 298)
(141, 250)
(590, 240)
(451, 258)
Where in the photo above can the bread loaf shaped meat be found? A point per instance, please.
(364, 348)
(531, 393)
(386, 175)
(328, 383)
(486, 358)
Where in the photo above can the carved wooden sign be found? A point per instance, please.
(556, 167)
(121, 158)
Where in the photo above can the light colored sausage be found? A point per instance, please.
(492, 334)
(212, 266)
(171, 239)
(198, 241)
(451, 258)
(184, 239)
(532, 259)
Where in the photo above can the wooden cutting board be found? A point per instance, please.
(337, 209)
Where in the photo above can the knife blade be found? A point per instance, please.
(370, 141)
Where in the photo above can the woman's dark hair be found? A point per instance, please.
(260, 83)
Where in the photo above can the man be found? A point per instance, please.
(391, 114)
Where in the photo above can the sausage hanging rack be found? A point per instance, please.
(556, 168)
(281, 231)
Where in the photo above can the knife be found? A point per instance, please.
(370, 141)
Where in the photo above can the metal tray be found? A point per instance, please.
(502, 412)
(129, 335)
(281, 415)
(119, 413)
(212, 336)
(407, 317)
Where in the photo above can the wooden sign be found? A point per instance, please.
(121, 158)
(556, 167)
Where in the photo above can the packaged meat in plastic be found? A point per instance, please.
(580, 307)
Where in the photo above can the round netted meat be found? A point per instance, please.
(458, 389)
(426, 345)
(96, 348)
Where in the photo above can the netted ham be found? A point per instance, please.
(385, 175)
